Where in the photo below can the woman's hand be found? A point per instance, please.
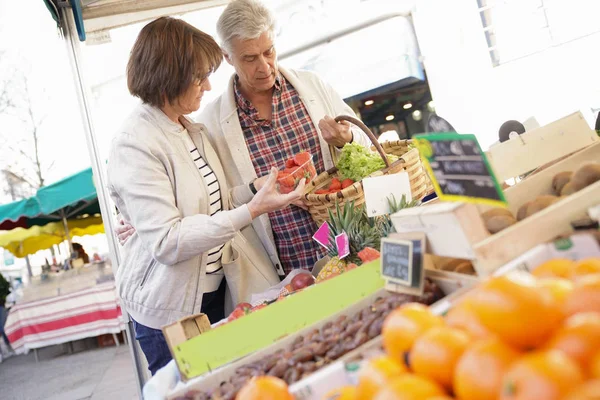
(123, 230)
(268, 199)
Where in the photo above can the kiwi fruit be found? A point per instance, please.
(499, 222)
(560, 180)
(568, 189)
(586, 175)
(540, 203)
(522, 213)
(465, 267)
(450, 264)
(495, 212)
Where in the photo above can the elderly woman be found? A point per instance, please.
(166, 180)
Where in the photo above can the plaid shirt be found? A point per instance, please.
(271, 143)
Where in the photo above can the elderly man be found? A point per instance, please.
(265, 116)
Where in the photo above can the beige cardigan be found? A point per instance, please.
(157, 187)
(227, 138)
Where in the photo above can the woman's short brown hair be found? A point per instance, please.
(168, 55)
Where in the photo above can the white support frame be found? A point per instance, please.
(69, 32)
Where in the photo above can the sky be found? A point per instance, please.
(35, 49)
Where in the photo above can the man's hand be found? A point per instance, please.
(269, 199)
(335, 133)
(123, 230)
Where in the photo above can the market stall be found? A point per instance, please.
(357, 342)
(455, 236)
(64, 318)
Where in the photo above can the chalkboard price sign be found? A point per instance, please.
(459, 169)
(402, 259)
(396, 260)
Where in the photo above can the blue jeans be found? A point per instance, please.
(3, 317)
(153, 345)
(152, 341)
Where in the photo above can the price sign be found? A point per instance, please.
(459, 169)
(396, 260)
(402, 257)
(435, 123)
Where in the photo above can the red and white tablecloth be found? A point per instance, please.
(85, 313)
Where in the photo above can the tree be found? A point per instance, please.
(23, 168)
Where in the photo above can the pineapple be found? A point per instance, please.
(362, 232)
(352, 220)
(385, 222)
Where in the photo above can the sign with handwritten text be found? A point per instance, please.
(459, 169)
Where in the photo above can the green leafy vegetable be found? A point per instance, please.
(357, 162)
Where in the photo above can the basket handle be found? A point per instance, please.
(362, 126)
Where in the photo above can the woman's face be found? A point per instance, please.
(189, 102)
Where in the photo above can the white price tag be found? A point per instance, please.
(379, 189)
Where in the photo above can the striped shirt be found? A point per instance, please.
(213, 265)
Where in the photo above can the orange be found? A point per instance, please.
(547, 375)
(461, 316)
(557, 268)
(559, 288)
(440, 398)
(585, 296)
(375, 373)
(478, 373)
(342, 393)
(588, 391)
(513, 307)
(586, 266)
(409, 387)
(435, 354)
(594, 370)
(578, 338)
(403, 325)
(265, 388)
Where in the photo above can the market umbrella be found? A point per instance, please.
(70, 197)
(74, 196)
(22, 242)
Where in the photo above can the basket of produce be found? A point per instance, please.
(342, 183)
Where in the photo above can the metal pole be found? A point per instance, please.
(67, 233)
(72, 42)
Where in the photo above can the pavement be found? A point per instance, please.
(89, 373)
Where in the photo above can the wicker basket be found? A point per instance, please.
(320, 204)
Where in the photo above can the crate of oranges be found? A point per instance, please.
(525, 336)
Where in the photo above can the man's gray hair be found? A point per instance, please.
(244, 19)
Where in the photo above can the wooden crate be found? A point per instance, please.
(539, 146)
(457, 229)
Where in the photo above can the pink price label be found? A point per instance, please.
(343, 245)
(321, 236)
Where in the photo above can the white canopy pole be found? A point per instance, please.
(73, 49)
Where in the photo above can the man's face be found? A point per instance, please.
(255, 62)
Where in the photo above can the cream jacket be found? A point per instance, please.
(227, 138)
(159, 190)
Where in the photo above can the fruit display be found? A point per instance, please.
(314, 350)
(335, 186)
(563, 184)
(515, 336)
(364, 235)
(298, 167)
